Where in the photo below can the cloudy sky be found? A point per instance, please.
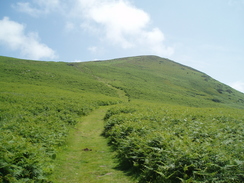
(205, 34)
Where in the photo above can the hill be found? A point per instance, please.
(148, 78)
(40, 102)
(161, 80)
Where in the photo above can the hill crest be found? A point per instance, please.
(163, 80)
(148, 78)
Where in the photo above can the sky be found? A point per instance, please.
(207, 35)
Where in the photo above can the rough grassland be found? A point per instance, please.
(87, 158)
(51, 122)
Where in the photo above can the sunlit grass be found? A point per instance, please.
(86, 157)
(42, 103)
(167, 143)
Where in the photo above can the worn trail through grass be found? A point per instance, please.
(87, 157)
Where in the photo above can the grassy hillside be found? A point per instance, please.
(177, 144)
(156, 79)
(52, 74)
(148, 78)
(41, 101)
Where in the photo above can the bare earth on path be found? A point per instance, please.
(87, 157)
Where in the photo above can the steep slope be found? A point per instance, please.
(161, 80)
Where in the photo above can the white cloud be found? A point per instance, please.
(87, 27)
(96, 50)
(12, 35)
(77, 60)
(154, 40)
(69, 26)
(116, 23)
(122, 24)
(26, 8)
(37, 7)
(238, 85)
(93, 49)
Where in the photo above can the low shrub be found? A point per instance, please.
(179, 144)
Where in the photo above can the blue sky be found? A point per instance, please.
(206, 35)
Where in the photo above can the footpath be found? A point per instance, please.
(87, 158)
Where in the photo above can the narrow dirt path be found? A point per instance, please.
(87, 157)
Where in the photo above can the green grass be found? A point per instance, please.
(48, 110)
(160, 80)
(95, 165)
(39, 103)
(58, 75)
(164, 143)
(34, 123)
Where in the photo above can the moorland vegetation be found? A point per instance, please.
(167, 122)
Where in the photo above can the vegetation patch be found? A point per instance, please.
(170, 122)
(178, 144)
(40, 103)
(34, 123)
